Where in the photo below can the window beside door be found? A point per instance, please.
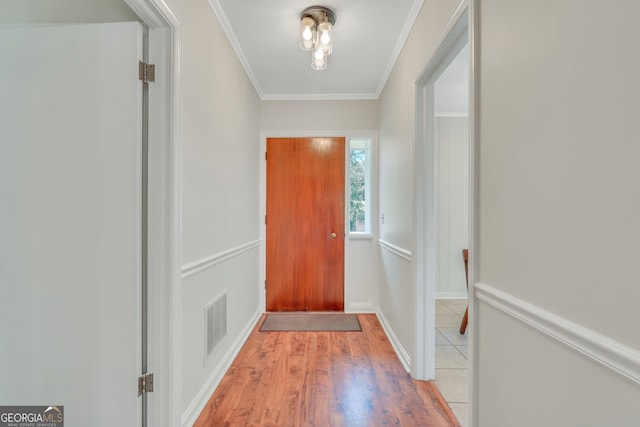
(360, 160)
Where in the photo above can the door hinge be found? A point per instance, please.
(145, 384)
(265, 155)
(265, 220)
(146, 72)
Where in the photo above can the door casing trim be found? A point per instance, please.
(263, 197)
(453, 37)
(164, 213)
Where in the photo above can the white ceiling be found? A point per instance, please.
(368, 37)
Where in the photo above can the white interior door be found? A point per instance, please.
(70, 220)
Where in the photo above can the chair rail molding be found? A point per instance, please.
(205, 263)
(612, 354)
(396, 250)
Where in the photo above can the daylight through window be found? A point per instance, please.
(360, 185)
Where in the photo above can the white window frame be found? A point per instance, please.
(370, 185)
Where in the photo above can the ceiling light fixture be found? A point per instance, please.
(316, 24)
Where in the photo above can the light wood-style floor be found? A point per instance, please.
(323, 379)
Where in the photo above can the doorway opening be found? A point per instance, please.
(442, 190)
(451, 164)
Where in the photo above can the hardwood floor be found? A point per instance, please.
(323, 379)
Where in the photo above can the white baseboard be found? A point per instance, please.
(452, 295)
(611, 354)
(191, 414)
(360, 307)
(404, 357)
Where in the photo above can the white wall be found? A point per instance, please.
(318, 115)
(397, 133)
(220, 197)
(528, 379)
(338, 118)
(452, 211)
(559, 214)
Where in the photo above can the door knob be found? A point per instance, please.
(333, 235)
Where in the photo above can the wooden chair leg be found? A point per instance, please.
(465, 319)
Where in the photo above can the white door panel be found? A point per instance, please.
(70, 220)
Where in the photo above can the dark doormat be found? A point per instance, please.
(311, 322)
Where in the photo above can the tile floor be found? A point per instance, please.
(452, 366)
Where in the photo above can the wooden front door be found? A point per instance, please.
(305, 224)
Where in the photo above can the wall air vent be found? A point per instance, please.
(215, 326)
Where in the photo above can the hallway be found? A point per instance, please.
(89, 214)
(322, 379)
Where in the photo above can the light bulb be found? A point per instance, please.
(318, 54)
(307, 30)
(325, 38)
(325, 41)
(307, 34)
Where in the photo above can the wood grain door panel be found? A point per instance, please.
(305, 205)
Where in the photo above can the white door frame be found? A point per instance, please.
(348, 286)
(164, 213)
(454, 36)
